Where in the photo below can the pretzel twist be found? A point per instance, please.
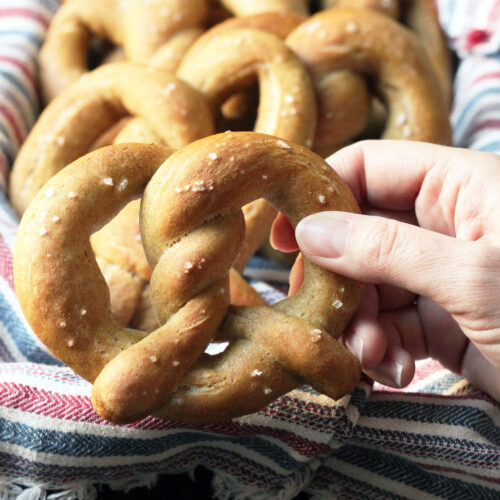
(287, 107)
(372, 44)
(141, 27)
(191, 236)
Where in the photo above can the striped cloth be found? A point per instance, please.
(439, 438)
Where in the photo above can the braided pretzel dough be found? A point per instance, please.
(191, 238)
(369, 43)
(71, 124)
(140, 26)
(287, 106)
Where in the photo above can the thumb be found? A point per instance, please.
(380, 250)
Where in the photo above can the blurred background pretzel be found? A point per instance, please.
(139, 26)
(394, 61)
(192, 236)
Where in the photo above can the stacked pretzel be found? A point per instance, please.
(128, 254)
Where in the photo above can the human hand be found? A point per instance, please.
(435, 288)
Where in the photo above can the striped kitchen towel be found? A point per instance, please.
(439, 438)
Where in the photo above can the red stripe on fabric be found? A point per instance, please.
(457, 471)
(6, 263)
(12, 120)
(79, 409)
(20, 12)
(486, 76)
(486, 124)
(18, 64)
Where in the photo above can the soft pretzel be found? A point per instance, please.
(372, 44)
(140, 26)
(192, 229)
(287, 107)
(71, 124)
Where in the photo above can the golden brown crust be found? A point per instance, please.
(386, 52)
(139, 27)
(72, 122)
(191, 237)
(251, 7)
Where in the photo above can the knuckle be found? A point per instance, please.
(384, 245)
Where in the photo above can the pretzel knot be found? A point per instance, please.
(192, 227)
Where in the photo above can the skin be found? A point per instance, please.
(429, 244)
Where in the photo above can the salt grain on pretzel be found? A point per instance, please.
(270, 350)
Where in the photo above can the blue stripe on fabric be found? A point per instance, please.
(20, 85)
(5, 354)
(458, 415)
(328, 479)
(254, 473)
(36, 40)
(87, 445)
(21, 337)
(51, 5)
(491, 147)
(409, 443)
(20, 109)
(403, 471)
(461, 122)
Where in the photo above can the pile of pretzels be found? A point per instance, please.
(173, 132)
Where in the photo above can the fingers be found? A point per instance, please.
(364, 337)
(296, 276)
(380, 250)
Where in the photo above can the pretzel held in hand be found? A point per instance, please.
(192, 228)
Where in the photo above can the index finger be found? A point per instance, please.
(388, 174)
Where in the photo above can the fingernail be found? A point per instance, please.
(390, 371)
(355, 344)
(322, 235)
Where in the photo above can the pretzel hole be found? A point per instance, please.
(239, 110)
(101, 51)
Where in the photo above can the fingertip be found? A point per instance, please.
(396, 369)
(296, 276)
(282, 236)
(368, 343)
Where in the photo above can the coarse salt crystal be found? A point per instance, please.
(153, 359)
(401, 118)
(108, 181)
(283, 144)
(256, 373)
(49, 192)
(71, 194)
(123, 184)
(62, 324)
(351, 27)
(267, 390)
(42, 231)
(321, 199)
(56, 218)
(337, 304)
(289, 98)
(83, 312)
(264, 177)
(71, 343)
(175, 363)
